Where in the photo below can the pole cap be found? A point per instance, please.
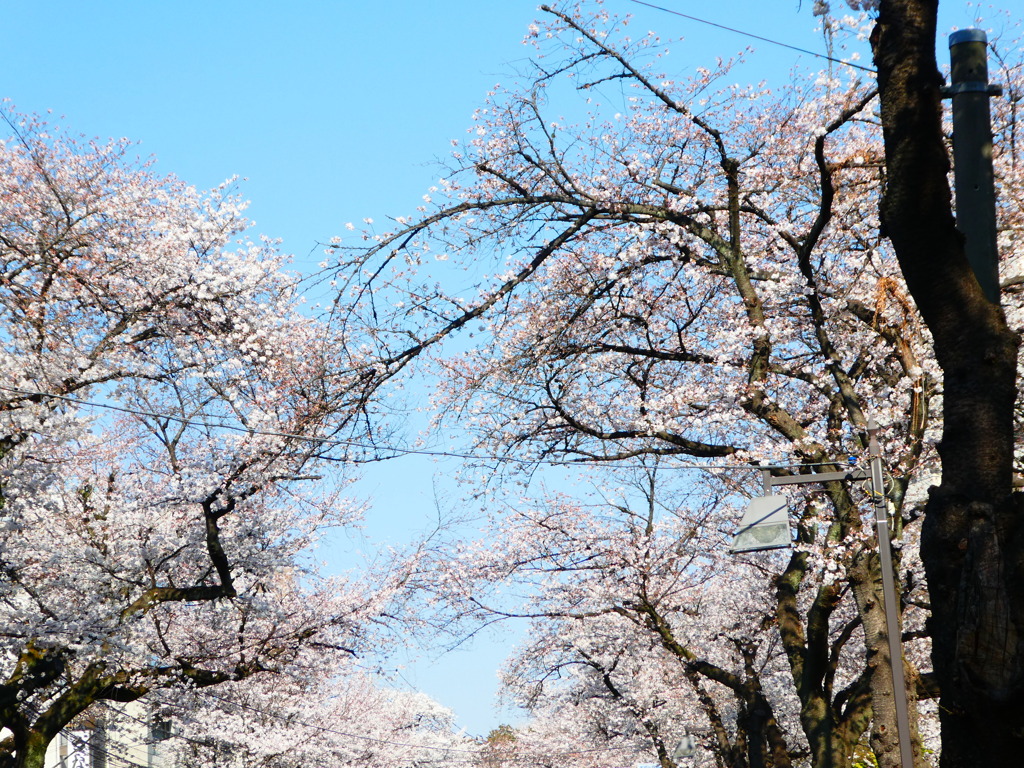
(967, 36)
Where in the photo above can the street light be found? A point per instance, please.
(765, 525)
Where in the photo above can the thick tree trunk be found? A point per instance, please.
(971, 542)
(26, 747)
(33, 753)
(885, 734)
(827, 749)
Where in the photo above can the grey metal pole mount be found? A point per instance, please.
(973, 176)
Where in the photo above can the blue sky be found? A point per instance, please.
(333, 111)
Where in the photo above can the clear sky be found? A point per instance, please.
(333, 111)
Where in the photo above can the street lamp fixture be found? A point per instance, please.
(765, 525)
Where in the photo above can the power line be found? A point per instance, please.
(397, 450)
(754, 37)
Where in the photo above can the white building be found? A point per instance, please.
(120, 736)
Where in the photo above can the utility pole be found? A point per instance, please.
(972, 155)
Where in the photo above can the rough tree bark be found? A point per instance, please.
(971, 541)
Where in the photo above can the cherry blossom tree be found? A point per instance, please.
(693, 272)
(164, 407)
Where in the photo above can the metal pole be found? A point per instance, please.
(892, 616)
(972, 155)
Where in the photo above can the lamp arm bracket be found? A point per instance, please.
(819, 477)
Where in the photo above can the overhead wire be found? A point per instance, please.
(394, 449)
(751, 35)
